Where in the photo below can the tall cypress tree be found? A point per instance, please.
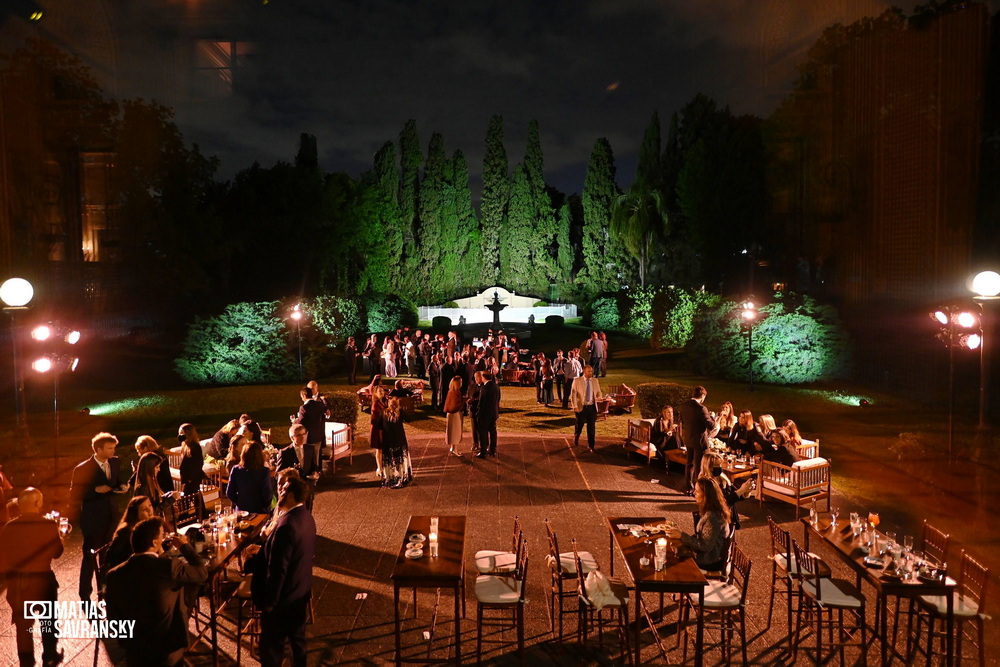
(410, 159)
(463, 233)
(518, 244)
(543, 221)
(430, 231)
(648, 173)
(599, 192)
(496, 190)
(378, 223)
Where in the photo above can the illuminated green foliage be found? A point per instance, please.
(334, 316)
(496, 190)
(246, 344)
(674, 310)
(387, 312)
(604, 313)
(796, 341)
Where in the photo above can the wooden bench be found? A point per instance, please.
(800, 483)
(339, 444)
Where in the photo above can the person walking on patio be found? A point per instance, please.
(583, 397)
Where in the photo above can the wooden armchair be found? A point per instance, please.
(339, 445)
(809, 449)
(639, 438)
(800, 483)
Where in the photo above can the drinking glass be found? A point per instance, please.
(873, 519)
(835, 513)
(855, 519)
(64, 526)
(891, 538)
(908, 544)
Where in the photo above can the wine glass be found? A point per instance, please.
(835, 513)
(873, 519)
(65, 528)
(908, 544)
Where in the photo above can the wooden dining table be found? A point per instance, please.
(841, 540)
(220, 556)
(679, 575)
(445, 571)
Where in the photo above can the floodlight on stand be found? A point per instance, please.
(42, 332)
(970, 341)
(42, 364)
(940, 317)
(966, 320)
(73, 337)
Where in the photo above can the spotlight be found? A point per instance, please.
(73, 337)
(971, 341)
(42, 364)
(940, 316)
(966, 320)
(41, 332)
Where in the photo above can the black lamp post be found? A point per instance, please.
(957, 325)
(986, 287)
(748, 317)
(297, 315)
(16, 294)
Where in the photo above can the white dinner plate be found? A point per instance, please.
(414, 553)
(417, 537)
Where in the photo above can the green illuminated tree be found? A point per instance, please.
(431, 231)
(462, 260)
(638, 221)
(518, 242)
(410, 159)
(599, 272)
(496, 190)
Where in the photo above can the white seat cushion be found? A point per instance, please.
(780, 561)
(810, 463)
(963, 607)
(567, 563)
(833, 593)
(618, 597)
(495, 561)
(719, 595)
(492, 589)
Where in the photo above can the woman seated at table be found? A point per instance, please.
(726, 421)
(746, 437)
(145, 481)
(767, 425)
(250, 481)
(665, 433)
(138, 509)
(396, 466)
(710, 541)
(781, 450)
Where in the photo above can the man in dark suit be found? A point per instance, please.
(486, 419)
(312, 415)
(148, 589)
(29, 543)
(696, 424)
(92, 488)
(282, 577)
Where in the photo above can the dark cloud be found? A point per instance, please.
(353, 72)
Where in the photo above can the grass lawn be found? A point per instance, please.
(908, 478)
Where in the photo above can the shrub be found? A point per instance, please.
(246, 344)
(640, 311)
(555, 321)
(651, 397)
(541, 304)
(387, 312)
(344, 407)
(441, 323)
(604, 313)
(335, 316)
(674, 311)
(796, 341)
(450, 304)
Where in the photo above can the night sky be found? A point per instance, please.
(352, 72)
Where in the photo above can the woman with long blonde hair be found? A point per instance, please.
(454, 405)
(396, 467)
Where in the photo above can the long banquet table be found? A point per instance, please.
(446, 571)
(841, 541)
(679, 575)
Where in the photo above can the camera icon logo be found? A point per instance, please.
(37, 610)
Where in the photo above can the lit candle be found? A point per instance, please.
(661, 553)
(433, 537)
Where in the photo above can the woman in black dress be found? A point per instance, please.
(395, 450)
(351, 360)
(746, 437)
(192, 459)
(145, 481)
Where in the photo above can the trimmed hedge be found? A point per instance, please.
(555, 321)
(651, 397)
(344, 408)
(441, 322)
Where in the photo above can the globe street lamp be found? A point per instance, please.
(16, 294)
(297, 315)
(748, 317)
(986, 287)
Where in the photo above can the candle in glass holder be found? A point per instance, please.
(661, 553)
(433, 538)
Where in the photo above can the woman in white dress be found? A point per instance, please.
(389, 356)
(454, 404)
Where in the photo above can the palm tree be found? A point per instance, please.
(638, 217)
